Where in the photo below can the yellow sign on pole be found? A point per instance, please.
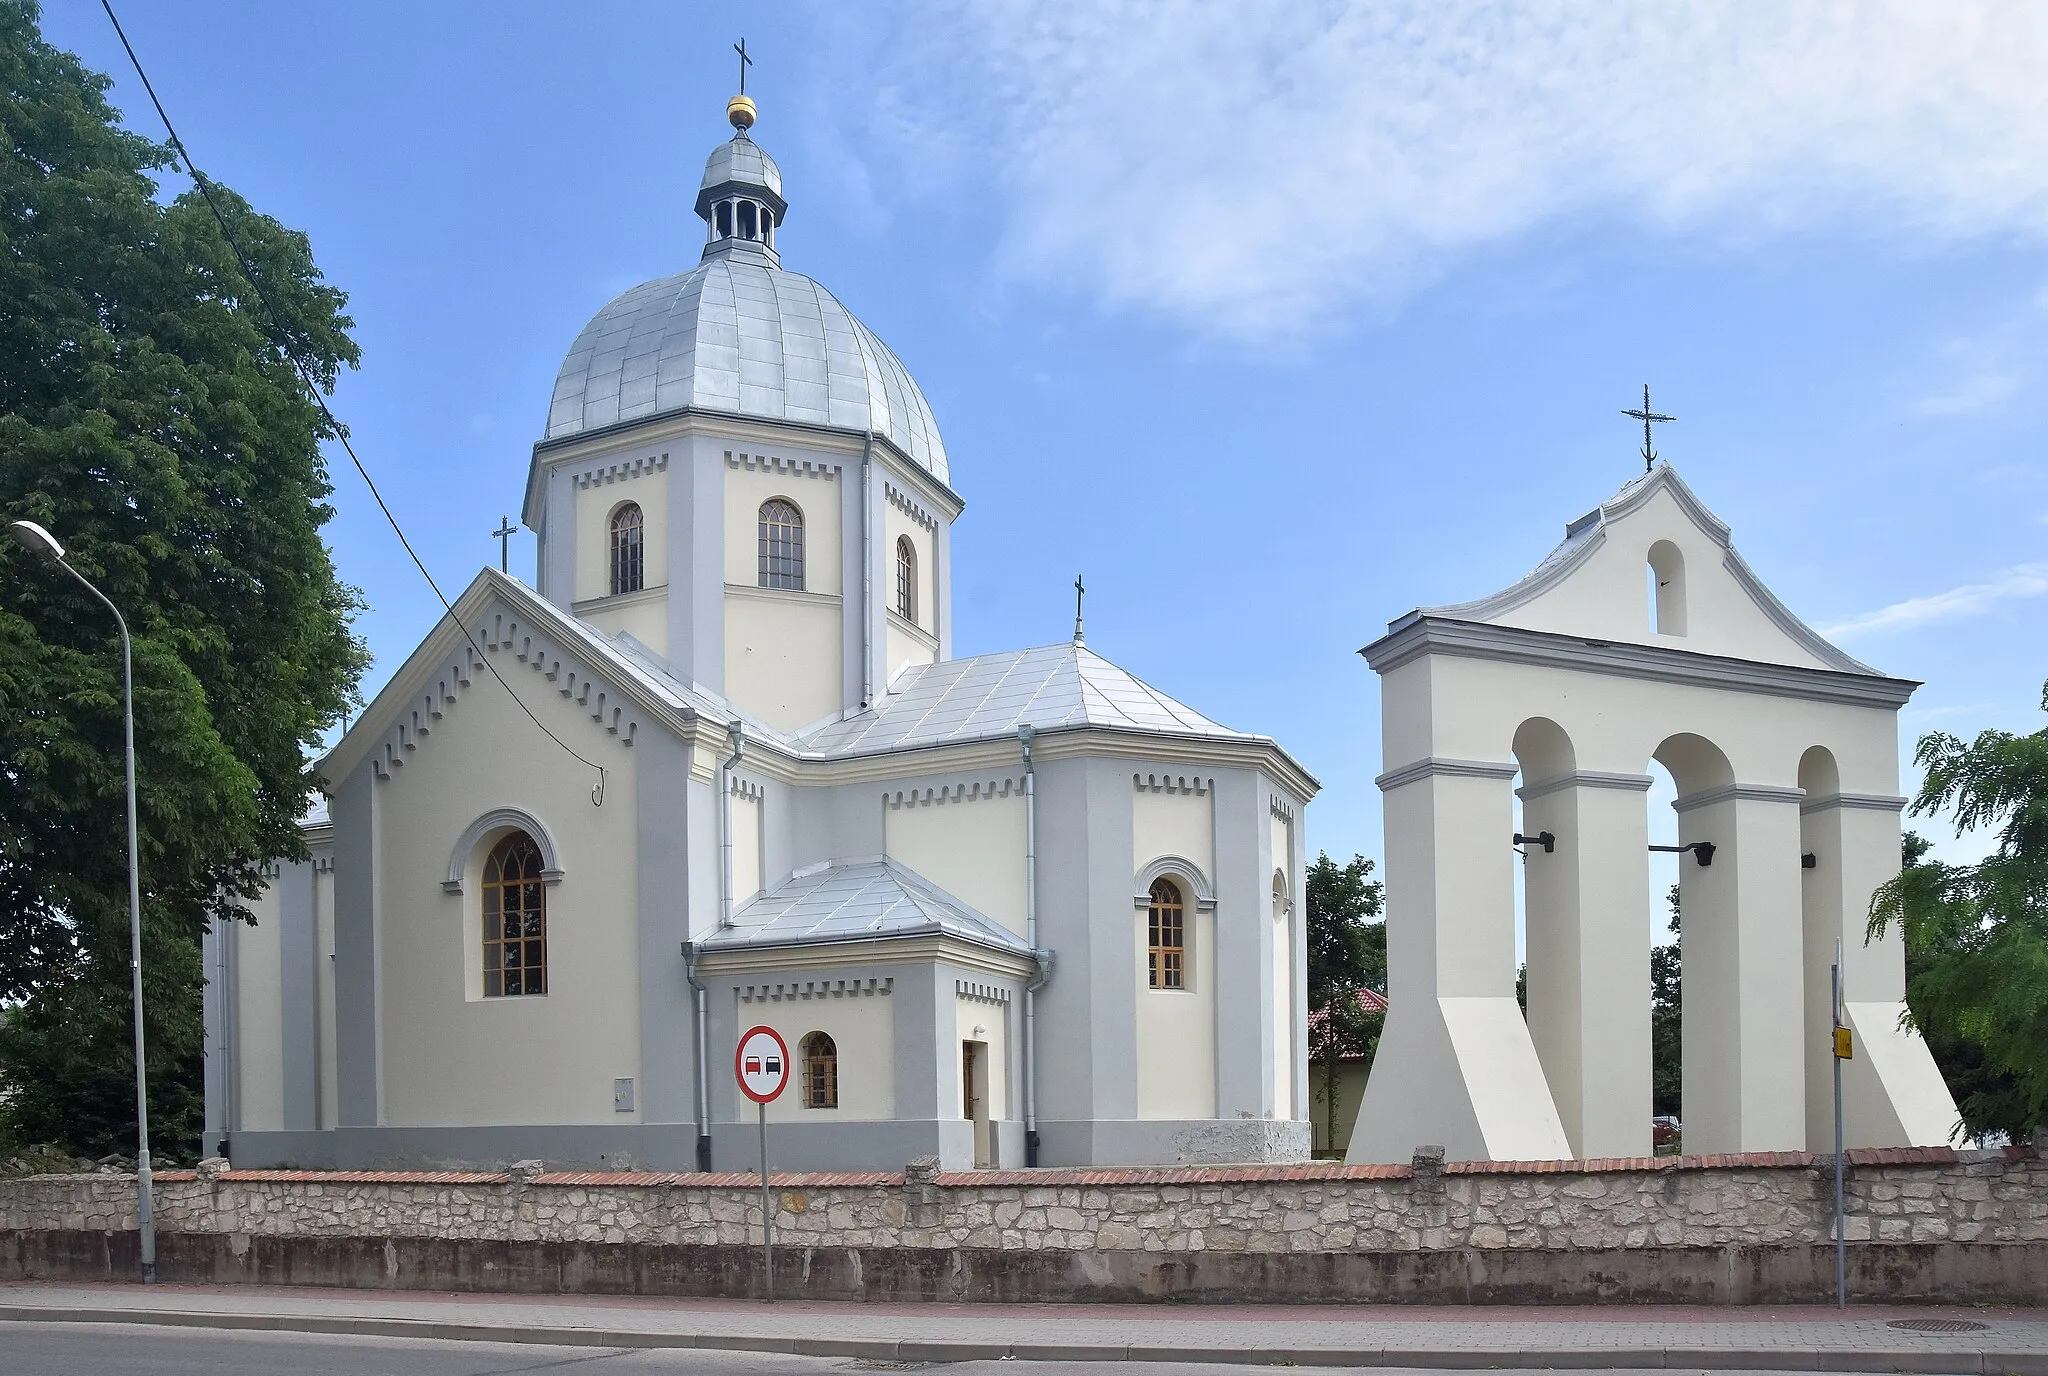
(1845, 1047)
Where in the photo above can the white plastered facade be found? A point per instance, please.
(812, 816)
(1643, 637)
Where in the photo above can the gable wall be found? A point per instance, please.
(1608, 596)
(451, 1057)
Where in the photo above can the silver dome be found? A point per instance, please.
(740, 336)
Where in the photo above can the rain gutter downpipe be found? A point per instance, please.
(703, 1085)
(1041, 966)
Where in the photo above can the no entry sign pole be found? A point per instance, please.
(761, 1064)
(767, 1212)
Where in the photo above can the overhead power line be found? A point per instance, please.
(313, 390)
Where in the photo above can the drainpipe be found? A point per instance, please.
(867, 570)
(1041, 965)
(703, 1084)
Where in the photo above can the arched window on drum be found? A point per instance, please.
(629, 560)
(906, 579)
(782, 544)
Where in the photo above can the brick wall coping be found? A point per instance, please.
(1338, 1171)
(1130, 1176)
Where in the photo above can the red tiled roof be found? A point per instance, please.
(1369, 1000)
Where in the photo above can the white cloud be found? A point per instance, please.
(1972, 599)
(1254, 166)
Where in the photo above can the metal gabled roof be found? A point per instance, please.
(992, 695)
(865, 900)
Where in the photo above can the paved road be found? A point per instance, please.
(801, 1337)
(65, 1349)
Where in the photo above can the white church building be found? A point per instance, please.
(720, 767)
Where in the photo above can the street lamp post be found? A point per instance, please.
(39, 541)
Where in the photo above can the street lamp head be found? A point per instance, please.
(35, 539)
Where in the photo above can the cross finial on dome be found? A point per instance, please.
(740, 109)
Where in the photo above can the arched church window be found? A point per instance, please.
(515, 919)
(1166, 939)
(821, 1071)
(722, 218)
(906, 579)
(782, 545)
(628, 549)
(747, 230)
(1667, 589)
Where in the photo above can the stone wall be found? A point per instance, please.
(1921, 1222)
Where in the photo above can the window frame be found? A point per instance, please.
(780, 554)
(529, 884)
(1166, 939)
(906, 578)
(626, 566)
(815, 1062)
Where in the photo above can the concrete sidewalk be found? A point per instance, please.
(1779, 1339)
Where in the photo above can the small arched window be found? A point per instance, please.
(747, 230)
(515, 918)
(1667, 589)
(1166, 938)
(629, 563)
(906, 579)
(722, 219)
(782, 545)
(821, 1071)
(1279, 895)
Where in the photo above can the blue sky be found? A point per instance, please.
(1276, 319)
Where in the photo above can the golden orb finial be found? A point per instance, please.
(740, 110)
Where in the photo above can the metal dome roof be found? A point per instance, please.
(748, 339)
(741, 336)
(740, 163)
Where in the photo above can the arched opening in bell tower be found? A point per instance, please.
(1667, 588)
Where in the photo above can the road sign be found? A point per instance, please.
(761, 1064)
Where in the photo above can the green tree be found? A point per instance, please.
(1989, 1099)
(1977, 935)
(148, 419)
(1667, 1023)
(1347, 953)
